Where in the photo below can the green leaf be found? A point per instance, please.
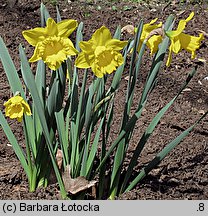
(149, 131)
(133, 73)
(62, 136)
(17, 149)
(79, 35)
(93, 150)
(31, 85)
(129, 126)
(58, 14)
(44, 14)
(117, 34)
(161, 155)
(11, 72)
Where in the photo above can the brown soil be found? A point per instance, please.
(183, 174)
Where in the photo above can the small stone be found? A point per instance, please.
(201, 112)
(200, 100)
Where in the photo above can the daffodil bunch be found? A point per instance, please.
(65, 125)
(153, 35)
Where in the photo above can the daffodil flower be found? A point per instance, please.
(154, 41)
(180, 40)
(52, 44)
(15, 107)
(101, 53)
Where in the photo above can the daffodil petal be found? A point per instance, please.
(101, 36)
(153, 21)
(176, 47)
(149, 27)
(26, 106)
(191, 43)
(36, 56)
(86, 46)
(33, 36)
(116, 44)
(71, 51)
(7, 111)
(169, 56)
(51, 27)
(19, 119)
(82, 61)
(190, 16)
(98, 73)
(7, 103)
(66, 27)
(153, 43)
(181, 27)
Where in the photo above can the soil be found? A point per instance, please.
(181, 175)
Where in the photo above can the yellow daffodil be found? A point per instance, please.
(154, 41)
(101, 53)
(180, 40)
(15, 107)
(52, 44)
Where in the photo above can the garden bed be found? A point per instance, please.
(183, 174)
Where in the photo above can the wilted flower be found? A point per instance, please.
(180, 40)
(154, 41)
(15, 107)
(52, 44)
(101, 53)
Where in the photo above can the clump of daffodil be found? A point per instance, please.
(52, 44)
(180, 40)
(101, 53)
(15, 107)
(153, 41)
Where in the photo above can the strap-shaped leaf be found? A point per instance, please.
(162, 154)
(11, 72)
(31, 85)
(17, 149)
(93, 150)
(44, 14)
(149, 131)
(62, 136)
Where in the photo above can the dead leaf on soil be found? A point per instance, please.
(187, 90)
(59, 158)
(158, 31)
(202, 112)
(76, 185)
(128, 29)
(203, 32)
